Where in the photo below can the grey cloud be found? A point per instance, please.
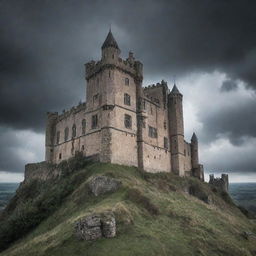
(228, 85)
(44, 44)
(237, 123)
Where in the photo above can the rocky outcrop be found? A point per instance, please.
(89, 228)
(101, 184)
(96, 226)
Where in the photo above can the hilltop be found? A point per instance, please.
(156, 214)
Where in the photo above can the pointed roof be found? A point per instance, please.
(110, 41)
(175, 90)
(194, 137)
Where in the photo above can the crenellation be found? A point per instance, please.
(122, 122)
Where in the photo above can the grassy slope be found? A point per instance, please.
(183, 226)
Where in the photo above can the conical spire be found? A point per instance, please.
(194, 137)
(175, 90)
(110, 41)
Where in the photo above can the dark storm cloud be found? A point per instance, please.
(44, 45)
(228, 85)
(236, 123)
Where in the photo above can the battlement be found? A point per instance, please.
(130, 66)
(163, 84)
(67, 113)
(221, 183)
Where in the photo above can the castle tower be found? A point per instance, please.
(194, 151)
(113, 87)
(176, 131)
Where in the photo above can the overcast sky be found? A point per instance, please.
(208, 45)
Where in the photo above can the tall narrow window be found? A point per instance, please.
(165, 125)
(165, 143)
(83, 126)
(66, 133)
(94, 121)
(127, 99)
(58, 137)
(73, 131)
(152, 132)
(126, 81)
(127, 121)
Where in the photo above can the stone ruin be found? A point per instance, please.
(96, 226)
(221, 183)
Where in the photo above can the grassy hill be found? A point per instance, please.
(155, 216)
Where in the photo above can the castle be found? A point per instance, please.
(122, 122)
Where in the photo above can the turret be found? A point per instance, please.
(175, 109)
(194, 151)
(49, 135)
(110, 48)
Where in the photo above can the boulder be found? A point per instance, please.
(95, 226)
(108, 225)
(101, 184)
(89, 228)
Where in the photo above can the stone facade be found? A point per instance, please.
(123, 122)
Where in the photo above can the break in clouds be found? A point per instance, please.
(209, 46)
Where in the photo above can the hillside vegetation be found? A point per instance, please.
(155, 213)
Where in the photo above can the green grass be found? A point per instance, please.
(154, 217)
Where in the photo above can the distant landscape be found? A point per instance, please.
(7, 191)
(243, 194)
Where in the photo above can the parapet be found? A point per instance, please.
(130, 66)
(66, 113)
(221, 183)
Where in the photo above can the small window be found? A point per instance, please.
(184, 152)
(127, 121)
(165, 143)
(144, 104)
(83, 126)
(127, 81)
(113, 56)
(58, 137)
(165, 125)
(152, 132)
(94, 121)
(66, 133)
(59, 156)
(73, 131)
(83, 147)
(127, 99)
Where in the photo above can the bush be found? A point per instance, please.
(38, 200)
(137, 197)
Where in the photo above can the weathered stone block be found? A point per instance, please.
(101, 184)
(95, 226)
(108, 226)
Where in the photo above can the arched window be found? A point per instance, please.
(83, 126)
(126, 81)
(127, 99)
(66, 133)
(73, 131)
